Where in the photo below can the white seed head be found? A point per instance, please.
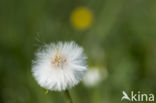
(94, 76)
(59, 66)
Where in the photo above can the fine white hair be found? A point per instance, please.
(59, 66)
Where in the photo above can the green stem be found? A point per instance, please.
(68, 97)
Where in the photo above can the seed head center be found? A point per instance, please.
(59, 60)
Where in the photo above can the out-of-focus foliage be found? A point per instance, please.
(122, 38)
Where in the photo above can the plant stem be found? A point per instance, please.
(68, 97)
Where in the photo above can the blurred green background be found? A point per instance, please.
(122, 38)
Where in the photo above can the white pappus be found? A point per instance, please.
(59, 66)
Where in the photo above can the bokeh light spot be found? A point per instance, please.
(81, 18)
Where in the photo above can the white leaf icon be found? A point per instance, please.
(125, 96)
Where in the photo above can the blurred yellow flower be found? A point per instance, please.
(81, 18)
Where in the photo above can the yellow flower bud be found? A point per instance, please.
(81, 18)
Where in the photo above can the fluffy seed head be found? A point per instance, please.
(95, 76)
(59, 66)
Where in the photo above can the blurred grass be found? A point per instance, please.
(122, 39)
